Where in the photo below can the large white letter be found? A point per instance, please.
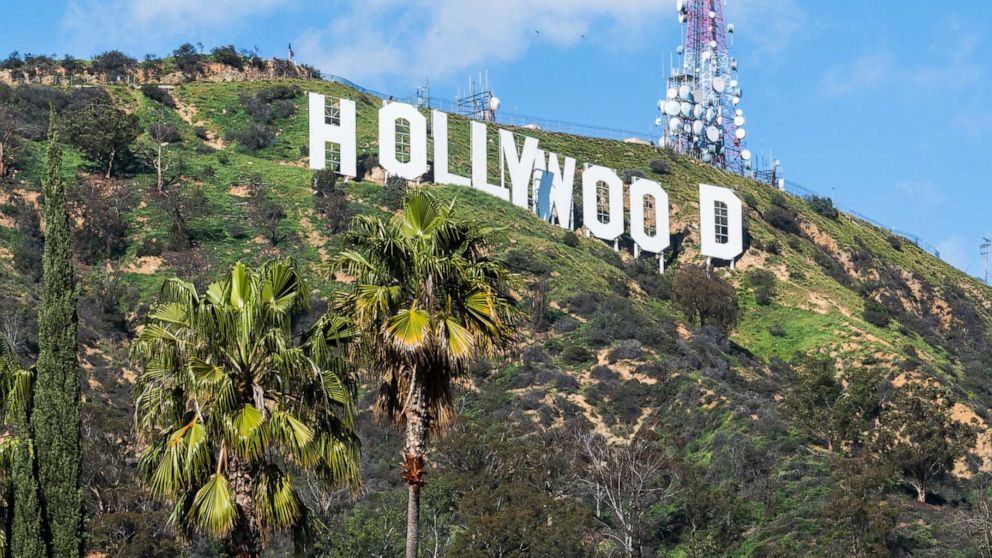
(640, 189)
(417, 166)
(441, 172)
(721, 223)
(342, 133)
(521, 167)
(591, 178)
(480, 167)
(562, 185)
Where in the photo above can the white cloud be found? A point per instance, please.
(371, 41)
(149, 25)
(866, 72)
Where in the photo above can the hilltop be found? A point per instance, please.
(606, 347)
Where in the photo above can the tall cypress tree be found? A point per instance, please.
(56, 417)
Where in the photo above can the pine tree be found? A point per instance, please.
(26, 538)
(56, 417)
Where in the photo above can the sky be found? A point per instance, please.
(884, 105)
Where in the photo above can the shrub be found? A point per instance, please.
(783, 219)
(777, 330)
(763, 282)
(164, 132)
(571, 239)
(773, 247)
(705, 298)
(201, 133)
(255, 137)
(228, 56)
(630, 174)
(112, 63)
(575, 355)
(187, 59)
(150, 246)
(895, 242)
(659, 167)
(627, 349)
(158, 95)
(824, 206)
(519, 260)
(876, 313)
(394, 192)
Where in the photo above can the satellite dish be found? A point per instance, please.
(685, 92)
(741, 133)
(730, 28)
(713, 44)
(661, 105)
(713, 134)
(719, 85)
(697, 127)
(707, 55)
(680, 5)
(675, 124)
(733, 84)
(707, 157)
(688, 128)
(712, 14)
(680, 50)
(736, 100)
(739, 121)
(738, 112)
(698, 111)
(672, 108)
(746, 154)
(657, 122)
(686, 109)
(494, 104)
(673, 92)
(733, 64)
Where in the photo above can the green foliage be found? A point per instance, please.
(187, 59)
(824, 206)
(659, 166)
(228, 55)
(230, 404)
(783, 219)
(876, 313)
(763, 282)
(103, 133)
(428, 301)
(56, 417)
(394, 192)
(112, 64)
(705, 298)
(920, 438)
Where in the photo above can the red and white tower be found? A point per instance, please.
(700, 114)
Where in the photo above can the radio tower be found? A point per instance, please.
(700, 114)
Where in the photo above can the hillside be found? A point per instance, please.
(605, 348)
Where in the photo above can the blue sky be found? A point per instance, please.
(883, 105)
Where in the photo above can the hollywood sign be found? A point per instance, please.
(538, 181)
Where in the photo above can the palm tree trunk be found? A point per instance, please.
(417, 426)
(245, 541)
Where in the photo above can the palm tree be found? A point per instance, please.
(20, 510)
(427, 300)
(232, 403)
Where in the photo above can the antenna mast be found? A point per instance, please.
(986, 251)
(700, 113)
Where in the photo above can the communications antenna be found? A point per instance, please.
(478, 103)
(986, 252)
(700, 113)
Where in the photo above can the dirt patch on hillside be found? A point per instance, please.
(314, 237)
(827, 242)
(188, 113)
(239, 191)
(145, 265)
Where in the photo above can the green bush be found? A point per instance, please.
(824, 206)
(576, 355)
(763, 282)
(158, 95)
(659, 167)
(876, 313)
(394, 192)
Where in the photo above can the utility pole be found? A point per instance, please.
(986, 251)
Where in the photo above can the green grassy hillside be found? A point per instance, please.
(605, 347)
